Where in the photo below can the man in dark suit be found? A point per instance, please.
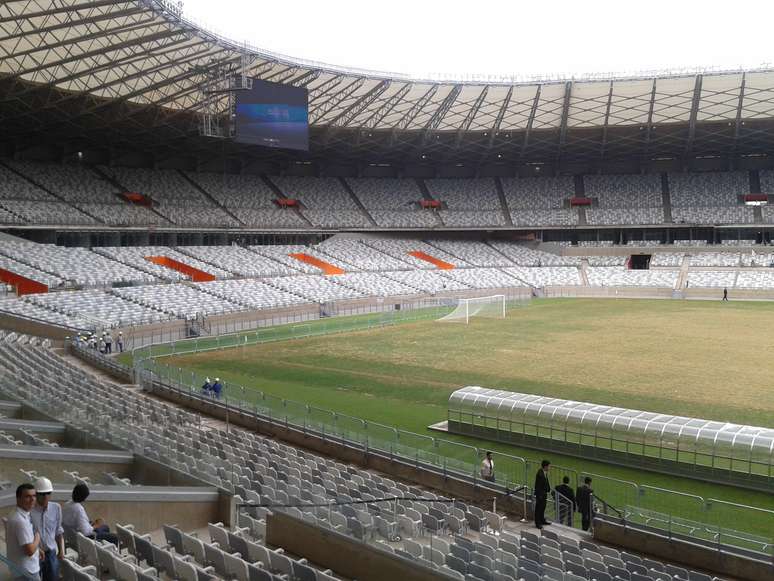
(583, 496)
(564, 498)
(542, 489)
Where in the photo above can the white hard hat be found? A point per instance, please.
(217, 379)
(207, 379)
(43, 486)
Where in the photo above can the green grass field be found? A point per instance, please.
(704, 359)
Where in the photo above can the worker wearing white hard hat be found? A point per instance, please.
(47, 520)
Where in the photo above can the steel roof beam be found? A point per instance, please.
(334, 100)
(694, 114)
(59, 10)
(69, 23)
(739, 110)
(530, 122)
(101, 51)
(563, 122)
(435, 120)
(649, 125)
(471, 115)
(378, 116)
(607, 121)
(359, 105)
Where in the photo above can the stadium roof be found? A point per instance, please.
(132, 73)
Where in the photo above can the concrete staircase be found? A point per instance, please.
(682, 277)
(503, 201)
(584, 271)
(666, 199)
(357, 201)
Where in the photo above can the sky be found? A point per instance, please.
(455, 39)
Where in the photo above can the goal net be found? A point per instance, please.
(492, 307)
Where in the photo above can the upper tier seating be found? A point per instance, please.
(538, 193)
(252, 294)
(316, 193)
(359, 255)
(179, 300)
(564, 217)
(337, 218)
(472, 219)
(239, 261)
(596, 216)
(625, 191)
(469, 202)
(86, 190)
(710, 198)
(387, 193)
(690, 242)
(546, 275)
(740, 242)
(403, 218)
(173, 196)
(473, 252)
(767, 181)
(465, 194)
(78, 265)
(617, 276)
(762, 259)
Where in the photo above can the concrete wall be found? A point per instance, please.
(344, 555)
(687, 554)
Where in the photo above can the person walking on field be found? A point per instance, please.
(725, 294)
(487, 468)
(584, 498)
(542, 490)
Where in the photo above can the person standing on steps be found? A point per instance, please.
(542, 490)
(564, 498)
(487, 468)
(583, 496)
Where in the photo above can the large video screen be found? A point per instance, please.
(273, 115)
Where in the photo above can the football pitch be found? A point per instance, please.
(703, 359)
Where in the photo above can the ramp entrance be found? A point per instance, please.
(639, 261)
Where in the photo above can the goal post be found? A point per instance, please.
(492, 307)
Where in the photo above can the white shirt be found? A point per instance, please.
(18, 532)
(48, 523)
(74, 518)
(487, 468)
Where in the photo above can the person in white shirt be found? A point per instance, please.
(487, 468)
(75, 520)
(22, 542)
(47, 520)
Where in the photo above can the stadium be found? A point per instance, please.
(287, 320)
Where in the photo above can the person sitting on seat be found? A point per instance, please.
(75, 520)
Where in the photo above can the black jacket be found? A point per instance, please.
(542, 487)
(583, 498)
(567, 494)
